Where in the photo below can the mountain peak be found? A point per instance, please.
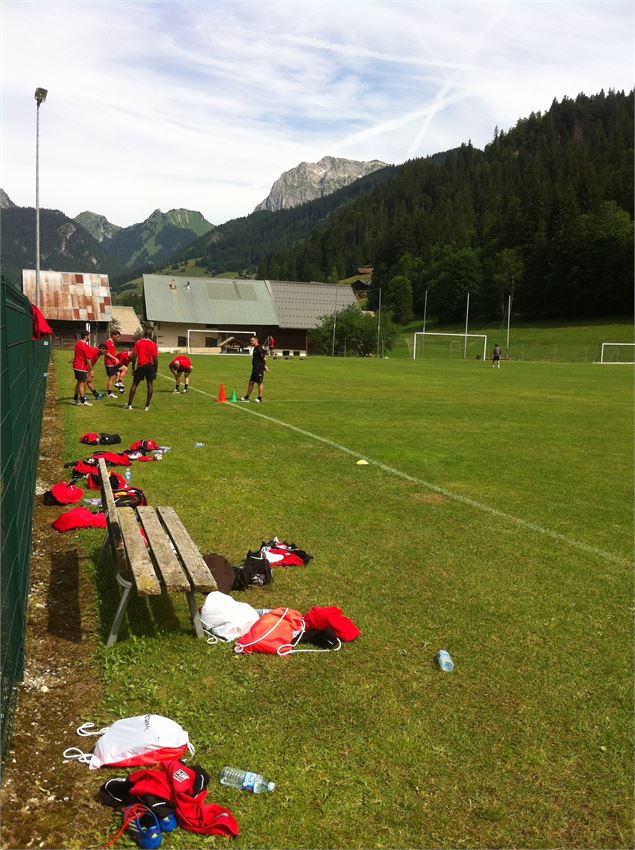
(5, 201)
(311, 180)
(97, 225)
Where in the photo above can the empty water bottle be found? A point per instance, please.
(91, 503)
(198, 445)
(127, 477)
(243, 780)
(444, 660)
(165, 449)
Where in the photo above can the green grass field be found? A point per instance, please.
(494, 519)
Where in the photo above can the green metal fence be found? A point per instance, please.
(23, 372)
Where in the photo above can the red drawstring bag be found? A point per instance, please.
(273, 633)
(145, 446)
(79, 518)
(90, 438)
(332, 618)
(66, 494)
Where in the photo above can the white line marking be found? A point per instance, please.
(449, 494)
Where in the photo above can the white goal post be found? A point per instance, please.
(464, 337)
(606, 359)
(213, 332)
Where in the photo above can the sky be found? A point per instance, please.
(203, 105)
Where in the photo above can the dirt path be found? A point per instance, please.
(45, 802)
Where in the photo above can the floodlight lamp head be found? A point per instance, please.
(40, 95)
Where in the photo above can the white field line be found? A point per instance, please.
(449, 494)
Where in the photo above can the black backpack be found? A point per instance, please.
(255, 571)
(130, 497)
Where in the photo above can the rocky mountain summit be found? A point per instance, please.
(311, 180)
(5, 201)
(97, 225)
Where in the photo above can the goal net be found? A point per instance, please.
(217, 341)
(617, 352)
(445, 345)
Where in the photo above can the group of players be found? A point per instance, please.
(144, 360)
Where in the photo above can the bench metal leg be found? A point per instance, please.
(196, 620)
(121, 610)
(104, 550)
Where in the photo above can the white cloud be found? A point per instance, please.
(204, 104)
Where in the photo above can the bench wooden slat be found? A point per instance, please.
(145, 578)
(114, 529)
(168, 564)
(198, 571)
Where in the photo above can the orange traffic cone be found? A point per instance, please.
(222, 399)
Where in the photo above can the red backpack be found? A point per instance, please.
(273, 633)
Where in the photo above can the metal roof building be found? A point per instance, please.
(183, 307)
(70, 296)
(303, 305)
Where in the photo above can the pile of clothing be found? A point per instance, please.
(277, 631)
(64, 493)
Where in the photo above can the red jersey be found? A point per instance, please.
(123, 358)
(110, 358)
(182, 362)
(145, 351)
(84, 356)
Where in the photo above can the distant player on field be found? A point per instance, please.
(496, 356)
(181, 365)
(258, 369)
(145, 365)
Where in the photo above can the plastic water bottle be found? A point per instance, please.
(262, 611)
(444, 660)
(91, 503)
(243, 780)
(198, 445)
(127, 477)
(165, 449)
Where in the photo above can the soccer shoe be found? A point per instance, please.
(258, 400)
(147, 409)
(244, 398)
(76, 401)
(175, 392)
(113, 395)
(168, 823)
(128, 407)
(99, 396)
(142, 823)
(86, 403)
(122, 390)
(119, 384)
(186, 389)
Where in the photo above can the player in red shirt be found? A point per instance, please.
(123, 358)
(181, 365)
(111, 362)
(145, 364)
(84, 355)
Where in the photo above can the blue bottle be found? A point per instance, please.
(444, 660)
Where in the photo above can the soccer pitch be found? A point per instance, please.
(494, 519)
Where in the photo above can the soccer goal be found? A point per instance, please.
(454, 346)
(618, 353)
(216, 340)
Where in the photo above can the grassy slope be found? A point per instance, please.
(529, 742)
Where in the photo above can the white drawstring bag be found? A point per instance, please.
(134, 741)
(226, 618)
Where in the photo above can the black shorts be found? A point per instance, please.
(111, 370)
(181, 370)
(80, 375)
(144, 373)
(496, 357)
(257, 377)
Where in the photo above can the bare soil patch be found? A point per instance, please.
(46, 802)
(428, 498)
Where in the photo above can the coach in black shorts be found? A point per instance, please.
(258, 369)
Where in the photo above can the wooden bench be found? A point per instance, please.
(170, 563)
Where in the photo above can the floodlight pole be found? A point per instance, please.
(334, 325)
(40, 97)
(509, 313)
(378, 321)
(467, 313)
(425, 312)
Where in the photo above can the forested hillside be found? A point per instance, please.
(64, 245)
(544, 213)
(240, 243)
